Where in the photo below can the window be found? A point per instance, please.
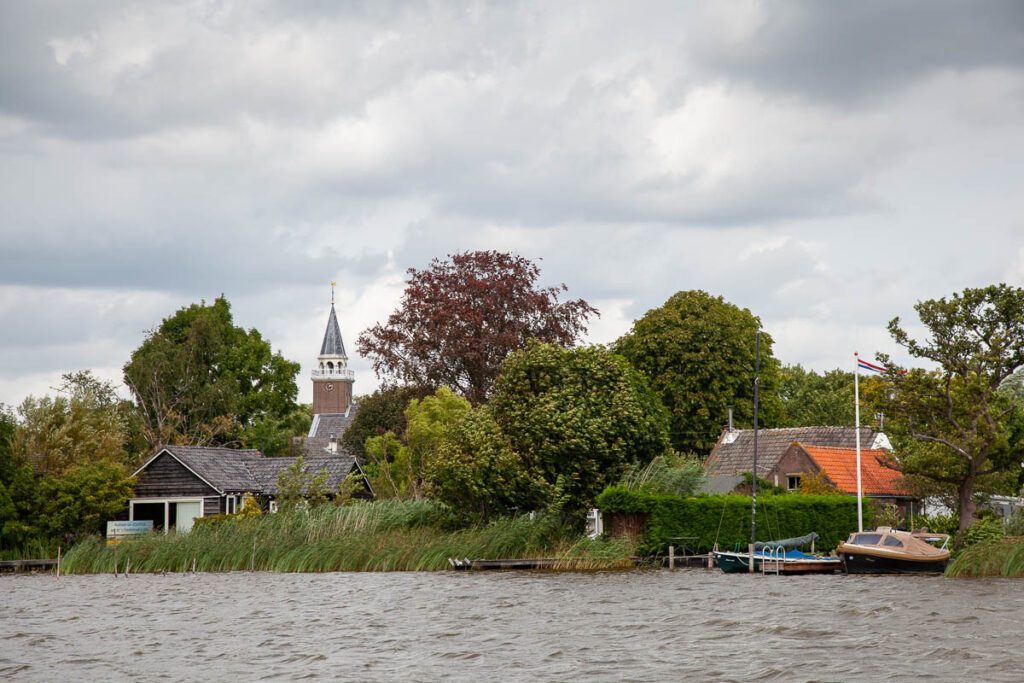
(273, 506)
(867, 539)
(793, 482)
(892, 541)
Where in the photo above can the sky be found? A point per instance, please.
(825, 165)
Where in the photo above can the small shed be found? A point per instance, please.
(179, 484)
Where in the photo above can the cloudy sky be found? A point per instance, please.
(825, 165)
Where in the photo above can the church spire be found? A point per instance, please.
(332, 380)
(333, 344)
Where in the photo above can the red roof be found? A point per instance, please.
(840, 465)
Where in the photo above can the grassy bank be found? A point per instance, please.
(377, 536)
(1002, 557)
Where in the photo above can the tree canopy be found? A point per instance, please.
(698, 351)
(809, 399)
(578, 417)
(460, 318)
(977, 339)
(381, 412)
(198, 379)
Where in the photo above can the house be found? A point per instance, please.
(733, 454)
(181, 483)
(839, 466)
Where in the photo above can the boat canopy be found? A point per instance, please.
(788, 543)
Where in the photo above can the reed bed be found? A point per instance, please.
(1003, 557)
(374, 536)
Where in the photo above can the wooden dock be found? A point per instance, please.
(27, 565)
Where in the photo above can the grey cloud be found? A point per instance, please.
(856, 50)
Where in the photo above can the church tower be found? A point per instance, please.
(332, 380)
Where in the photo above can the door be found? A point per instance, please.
(186, 515)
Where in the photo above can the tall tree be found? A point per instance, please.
(461, 317)
(698, 352)
(581, 417)
(198, 379)
(83, 424)
(977, 339)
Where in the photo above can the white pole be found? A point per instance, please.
(856, 412)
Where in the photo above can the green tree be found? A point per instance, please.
(82, 424)
(478, 475)
(397, 468)
(81, 501)
(809, 399)
(584, 416)
(698, 351)
(381, 412)
(198, 379)
(977, 339)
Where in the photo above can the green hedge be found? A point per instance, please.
(726, 518)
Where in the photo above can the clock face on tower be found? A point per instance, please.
(329, 386)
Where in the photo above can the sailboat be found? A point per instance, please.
(776, 557)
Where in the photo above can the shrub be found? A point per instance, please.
(988, 529)
(725, 520)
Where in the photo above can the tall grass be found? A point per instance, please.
(376, 536)
(1002, 557)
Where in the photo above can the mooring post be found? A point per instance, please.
(671, 558)
(252, 560)
(193, 564)
(58, 562)
(751, 558)
(115, 557)
(127, 566)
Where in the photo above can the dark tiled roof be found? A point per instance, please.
(234, 470)
(223, 468)
(332, 424)
(738, 456)
(333, 345)
(267, 470)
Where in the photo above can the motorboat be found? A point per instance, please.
(889, 551)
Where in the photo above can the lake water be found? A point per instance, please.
(645, 625)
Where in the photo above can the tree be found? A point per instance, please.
(698, 352)
(83, 424)
(977, 339)
(381, 412)
(583, 416)
(461, 317)
(809, 399)
(199, 380)
(398, 467)
(476, 472)
(296, 484)
(80, 502)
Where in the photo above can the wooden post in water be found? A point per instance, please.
(58, 562)
(127, 566)
(193, 564)
(671, 558)
(252, 560)
(115, 557)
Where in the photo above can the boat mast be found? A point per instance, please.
(753, 496)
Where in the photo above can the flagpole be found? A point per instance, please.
(856, 412)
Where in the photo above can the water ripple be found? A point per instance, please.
(639, 625)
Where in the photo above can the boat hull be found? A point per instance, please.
(862, 563)
(739, 562)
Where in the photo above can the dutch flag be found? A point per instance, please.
(864, 365)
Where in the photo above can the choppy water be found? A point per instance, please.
(638, 625)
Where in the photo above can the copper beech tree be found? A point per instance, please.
(461, 317)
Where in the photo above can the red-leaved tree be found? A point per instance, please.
(461, 317)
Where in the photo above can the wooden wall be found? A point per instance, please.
(166, 477)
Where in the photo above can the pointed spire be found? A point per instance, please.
(333, 344)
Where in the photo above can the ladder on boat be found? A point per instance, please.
(771, 561)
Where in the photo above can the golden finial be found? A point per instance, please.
(332, 292)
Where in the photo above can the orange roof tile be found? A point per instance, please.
(840, 465)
